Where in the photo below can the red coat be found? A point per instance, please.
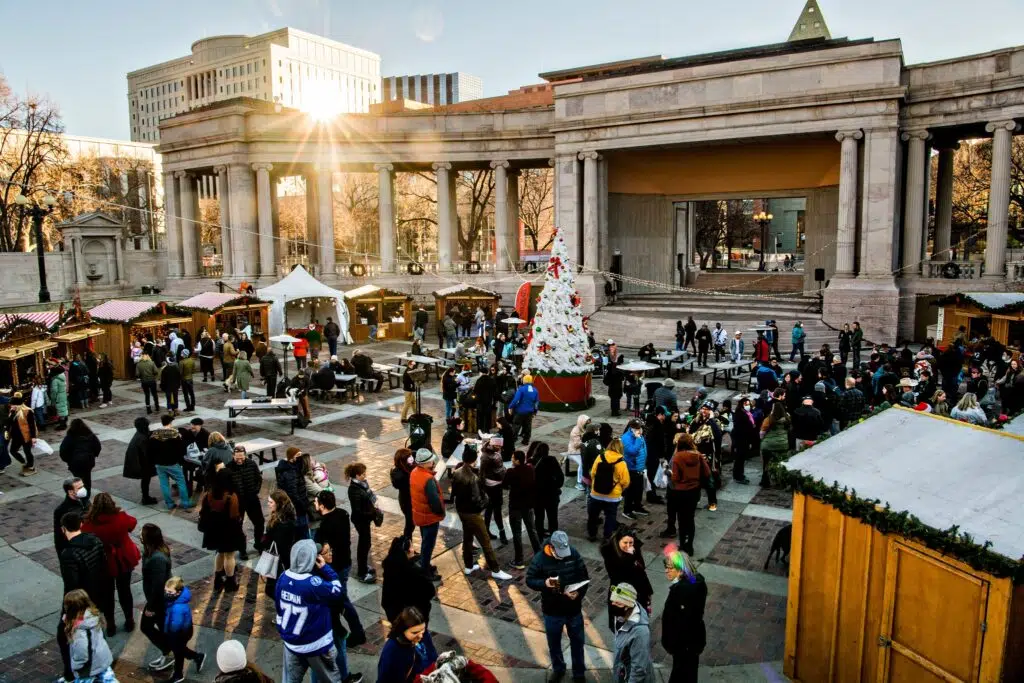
(476, 673)
(122, 553)
(762, 352)
(300, 348)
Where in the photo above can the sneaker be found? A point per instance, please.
(581, 487)
(628, 515)
(103, 405)
(712, 508)
(501, 576)
(200, 660)
(369, 578)
(28, 471)
(353, 678)
(469, 570)
(355, 639)
(2, 470)
(517, 564)
(162, 662)
(643, 512)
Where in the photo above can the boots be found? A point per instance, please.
(230, 584)
(218, 581)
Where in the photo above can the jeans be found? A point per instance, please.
(449, 408)
(495, 498)
(524, 422)
(419, 333)
(362, 526)
(797, 347)
(355, 626)
(251, 506)
(473, 527)
(149, 389)
(324, 667)
(40, 417)
(301, 526)
(189, 392)
(574, 626)
(153, 628)
(373, 333)
(428, 538)
(615, 401)
(679, 345)
(172, 399)
(682, 506)
(341, 660)
(518, 519)
(595, 507)
(702, 357)
(164, 474)
(634, 494)
(332, 346)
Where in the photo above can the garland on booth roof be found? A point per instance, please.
(951, 541)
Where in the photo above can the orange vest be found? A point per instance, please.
(422, 515)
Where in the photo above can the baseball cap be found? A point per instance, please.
(623, 594)
(560, 544)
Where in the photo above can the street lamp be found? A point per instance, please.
(763, 219)
(37, 213)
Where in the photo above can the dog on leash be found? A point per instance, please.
(780, 546)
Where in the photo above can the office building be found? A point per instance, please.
(295, 68)
(435, 89)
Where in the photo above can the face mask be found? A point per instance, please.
(629, 550)
(411, 460)
(82, 493)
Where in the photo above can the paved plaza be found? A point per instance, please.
(497, 624)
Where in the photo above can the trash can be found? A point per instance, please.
(419, 431)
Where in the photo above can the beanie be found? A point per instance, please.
(231, 656)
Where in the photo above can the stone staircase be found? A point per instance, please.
(637, 319)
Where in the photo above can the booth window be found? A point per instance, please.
(980, 327)
(1015, 334)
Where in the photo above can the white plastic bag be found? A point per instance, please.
(40, 447)
(661, 478)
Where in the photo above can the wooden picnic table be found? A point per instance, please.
(287, 408)
(429, 361)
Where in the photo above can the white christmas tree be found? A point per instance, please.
(558, 336)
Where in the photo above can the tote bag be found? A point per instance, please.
(268, 563)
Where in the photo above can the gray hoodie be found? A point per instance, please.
(303, 557)
(88, 630)
(633, 662)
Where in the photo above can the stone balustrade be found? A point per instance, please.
(954, 270)
(1015, 271)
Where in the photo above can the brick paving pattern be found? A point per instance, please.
(746, 545)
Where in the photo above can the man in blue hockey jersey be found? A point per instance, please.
(302, 597)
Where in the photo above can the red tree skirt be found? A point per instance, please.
(562, 393)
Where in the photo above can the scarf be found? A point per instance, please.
(366, 485)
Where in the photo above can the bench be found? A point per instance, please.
(258, 446)
(261, 418)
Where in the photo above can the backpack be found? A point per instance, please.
(604, 477)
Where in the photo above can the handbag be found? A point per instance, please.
(661, 479)
(268, 562)
(378, 517)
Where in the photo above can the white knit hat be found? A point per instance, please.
(231, 656)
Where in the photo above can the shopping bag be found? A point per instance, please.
(268, 563)
(661, 476)
(40, 447)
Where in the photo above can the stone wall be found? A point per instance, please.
(641, 228)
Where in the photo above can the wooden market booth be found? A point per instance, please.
(876, 595)
(468, 295)
(74, 331)
(123, 320)
(999, 314)
(24, 345)
(227, 311)
(394, 312)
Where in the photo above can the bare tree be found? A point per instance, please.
(477, 201)
(537, 206)
(709, 229)
(356, 216)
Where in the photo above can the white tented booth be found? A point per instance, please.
(299, 285)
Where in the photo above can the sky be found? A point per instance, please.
(78, 53)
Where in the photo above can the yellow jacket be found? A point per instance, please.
(620, 477)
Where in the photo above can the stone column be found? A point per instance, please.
(172, 229)
(913, 206)
(604, 246)
(998, 199)
(189, 247)
(591, 216)
(119, 260)
(553, 164)
(511, 246)
(453, 203)
(846, 235)
(312, 181)
(567, 198)
(879, 195)
(386, 212)
(442, 170)
(244, 230)
(223, 198)
(944, 204)
(501, 228)
(265, 219)
(325, 208)
(76, 251)
(145, 217)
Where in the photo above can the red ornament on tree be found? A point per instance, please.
(555, 265)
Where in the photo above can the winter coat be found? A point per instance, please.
(170, 377)
(450, 440)
(666, 396)
(400, 480)
(620, 478)
(845, 340)
(121, 552)
(59, 394)
(248, 478)
(526, 400)
(178, 614)
(156, 569)
(798, 334)
(290, 481)
(166, 447)
(336, 529)
(136, 459)
(80, 453)
(492, 467)
(808, 424)
(776, 435)
(687, 469)
(468, 491)
(105, 373)
(682, 627)
(632, 662)
(634, 451)
(87, 635)
(405, 585)
(576, 435)
(83, 565)
(402, 662)
(146, 371)
(613, 379)
(549, 479)
(270, 365)
(361, 501)
(66, 505)
(631, 569)
(243, 374)
(703, 338)
(283, 535)
(221, 522)
(425, 497)
(229, 353)
(570, 570)
(521, 482)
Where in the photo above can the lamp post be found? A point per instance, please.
(763, 220)
(37, 212)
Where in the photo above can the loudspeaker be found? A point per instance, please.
(819, 274)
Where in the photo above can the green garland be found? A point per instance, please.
(946, 541)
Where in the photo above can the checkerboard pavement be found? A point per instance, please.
(497, 624)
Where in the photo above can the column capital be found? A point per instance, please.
(1010, 125)
(849, 134)
(583, 156)
(220, 169)
(499, 164)
(441, 166)
(916, 134)
(181, 174)
(263, 167)
(552, 162)
(384, 167)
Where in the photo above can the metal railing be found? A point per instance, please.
(953, 270)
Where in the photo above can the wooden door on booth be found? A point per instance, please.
(933, 620)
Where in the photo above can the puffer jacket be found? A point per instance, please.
(270, 366)
(248, 478)
(290, 481)
(166, 447)
(87, 635)
(156, 569)
(635, 451)
(80, 453)
(59, 393)
(178, 617)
